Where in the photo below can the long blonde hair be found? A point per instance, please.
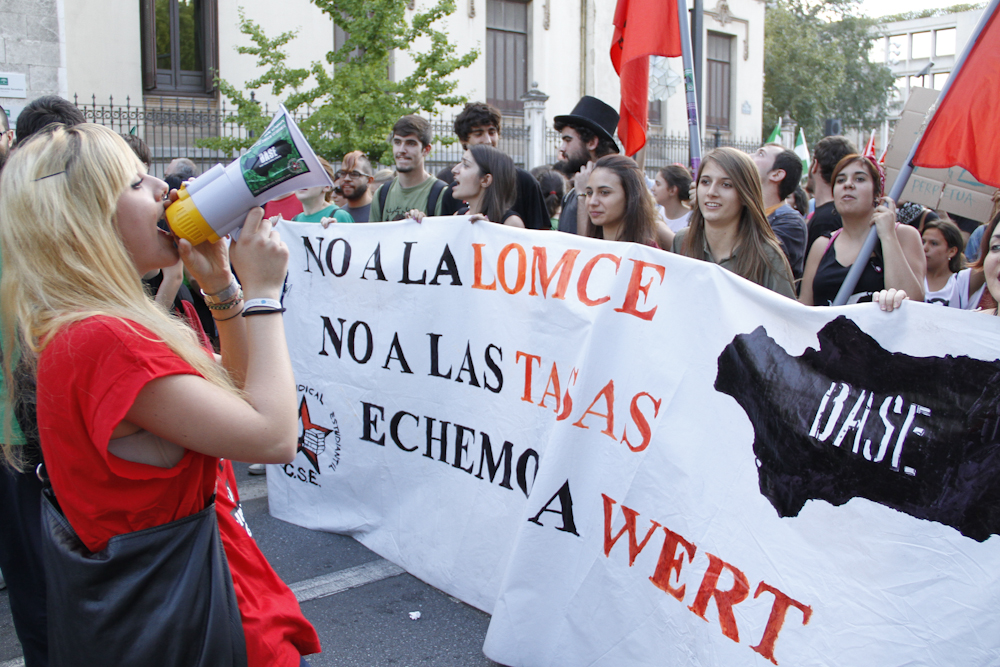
(63, 258)
(754, 233)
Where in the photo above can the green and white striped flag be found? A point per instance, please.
(775, 136)
(802, 150)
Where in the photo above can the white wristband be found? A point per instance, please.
(257, 303)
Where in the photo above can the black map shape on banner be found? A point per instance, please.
(918, 434)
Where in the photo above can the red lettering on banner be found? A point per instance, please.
(477, 282)
(608, 394)
(527, 372)
(640, 421)
(636, 287)
(634, 548)
(588, 268)
(522, 267)
(554, 383)
(724, 600)
(670, 562)
(777, 619)
(539, 267)
(567, 402)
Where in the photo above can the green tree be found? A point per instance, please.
(352, 99)
(816, 66)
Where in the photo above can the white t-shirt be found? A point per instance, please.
(677, 224)
(955, 293)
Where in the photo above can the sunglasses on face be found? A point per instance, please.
(352, 174)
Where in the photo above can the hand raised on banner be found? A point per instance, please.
(326, 222)
(416, 214)
(478, 216)
(889, 299)
(260, 257)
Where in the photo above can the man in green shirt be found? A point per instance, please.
(413, 187)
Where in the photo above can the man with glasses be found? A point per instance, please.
(354, 178)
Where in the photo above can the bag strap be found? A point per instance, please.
(383, 194)
(432, 199)
(833, 237)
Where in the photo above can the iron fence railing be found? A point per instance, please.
(171, 128)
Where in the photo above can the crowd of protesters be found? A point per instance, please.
(91, 275)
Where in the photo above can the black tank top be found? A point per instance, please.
(830, 276)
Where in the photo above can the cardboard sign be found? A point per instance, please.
(630, 457)
(953, 190)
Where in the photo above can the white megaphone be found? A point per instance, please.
(216, 203)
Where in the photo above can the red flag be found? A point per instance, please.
(870, 148)
(643, 28)
(965, 129)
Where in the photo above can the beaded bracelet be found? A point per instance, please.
(227, 304)
(224, 319)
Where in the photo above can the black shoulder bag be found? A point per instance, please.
(158, 597)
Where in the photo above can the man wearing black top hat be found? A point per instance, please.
(585, 135)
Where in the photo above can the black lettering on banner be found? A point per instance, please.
(335, 338)
(345, 262)
(468, 367)
(495, 367)
(446, 267)
(443, 453)
(522, 470)
(369, 343)
(369, 423)
(406, 266)
(486, 456)
(374, 264)
(395, 347)
(394, 429)
(315, 254)
(461, 448)
(565, 510)
(435, 368)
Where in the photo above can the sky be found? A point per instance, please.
(877, 8)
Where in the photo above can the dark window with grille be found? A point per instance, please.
(179, 46)
(718, 88)
(340, 37)
(506, 54)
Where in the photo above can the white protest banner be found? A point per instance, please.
(717, 475)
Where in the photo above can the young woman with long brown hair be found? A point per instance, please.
(619, 203)
(898, 261)
(728, 226)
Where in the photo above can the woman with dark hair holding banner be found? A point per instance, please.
(486, 180)
(898, 261)
(619, 204)
(729, 228)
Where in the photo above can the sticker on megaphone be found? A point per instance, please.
(216, 203)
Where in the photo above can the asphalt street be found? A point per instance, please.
(359, 603)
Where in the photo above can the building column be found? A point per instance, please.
(534, 117)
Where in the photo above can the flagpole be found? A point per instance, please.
(851, 280)
(694, 129)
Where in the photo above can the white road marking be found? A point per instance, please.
(342, 580)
